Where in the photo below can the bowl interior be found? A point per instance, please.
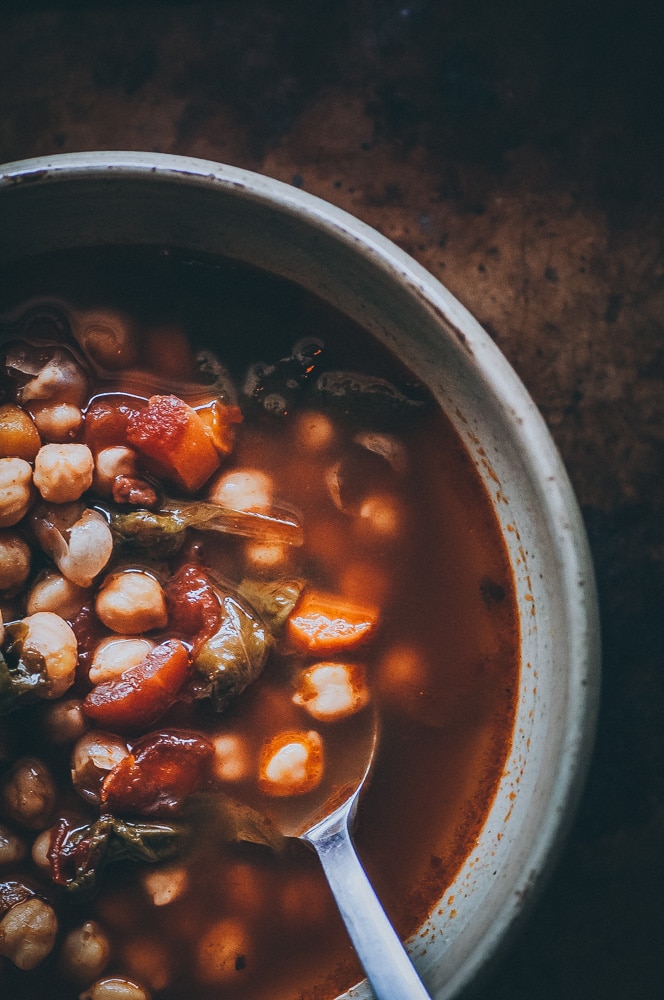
(100, 199)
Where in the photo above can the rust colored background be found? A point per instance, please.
(515, 149)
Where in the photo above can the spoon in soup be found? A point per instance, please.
(326, 823)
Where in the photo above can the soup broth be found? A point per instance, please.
(290, 536)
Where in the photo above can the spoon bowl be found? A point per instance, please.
(325, 821)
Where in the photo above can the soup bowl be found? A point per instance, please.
(128, 198)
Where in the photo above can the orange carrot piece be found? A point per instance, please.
(325, 623)
(219, 421)
(171, 433)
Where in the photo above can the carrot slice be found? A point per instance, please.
(219, 420)
(325, 623)
(171, 432)
(142, 694)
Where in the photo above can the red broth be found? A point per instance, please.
(394, 520)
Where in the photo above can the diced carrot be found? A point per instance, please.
(142, 694)
(325, 623)
(219, 421)
(171, 433)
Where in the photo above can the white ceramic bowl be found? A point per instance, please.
(129, 198)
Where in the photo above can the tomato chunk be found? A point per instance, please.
(107, 418)
(172, 434)
(324, 623)
(193, 607)
(163, 770)
(142, 694)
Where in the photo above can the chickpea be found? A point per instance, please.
(111, 463)
(224, 952)
(165, 885)
(90, 548)
(403, 681)
(57, 422)
(149, 961)
(63, 472)
(61, 378)
(242, 489)
(266, 557)
(332, 691)
(85, 952)
(64, 720)
(54, 592)
(94, 756)
(29, 793)
(12, 848)
(28, 932)
(131, 602)
(51, 638)
(232, 761)
(15, 490)
(115, 988)
(15, 560)
(315, 431)
(291, 763)
(41, 847)
(19, 438)
(381, 516)
(115, 655)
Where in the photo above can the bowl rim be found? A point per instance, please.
(530, 430)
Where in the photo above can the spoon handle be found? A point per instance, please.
(386, 963)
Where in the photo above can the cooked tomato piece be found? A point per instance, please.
(163, 770)
(142, 694)
(193, 606)
(324, 623)
(107, 418)
(171, 433)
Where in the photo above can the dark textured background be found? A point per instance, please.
(516, 149)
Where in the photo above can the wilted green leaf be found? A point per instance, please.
(22, 674)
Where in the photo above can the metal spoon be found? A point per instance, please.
(327, 827)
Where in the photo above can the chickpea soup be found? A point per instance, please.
(232, 528)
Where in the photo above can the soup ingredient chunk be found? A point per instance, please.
(85, 952)
(41, 657)
(15, 562)
(324, 623)
(169, 431)
(142, 693)
(115, 988)
(291, 763)
(29, 794)
(332, 691)
(224, 952)
(77, 538)
(131, 602)
(63, 472)
(19, 438)
(156, 778)
(28, 926)
(15, 490)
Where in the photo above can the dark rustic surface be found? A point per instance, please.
(515, 149)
